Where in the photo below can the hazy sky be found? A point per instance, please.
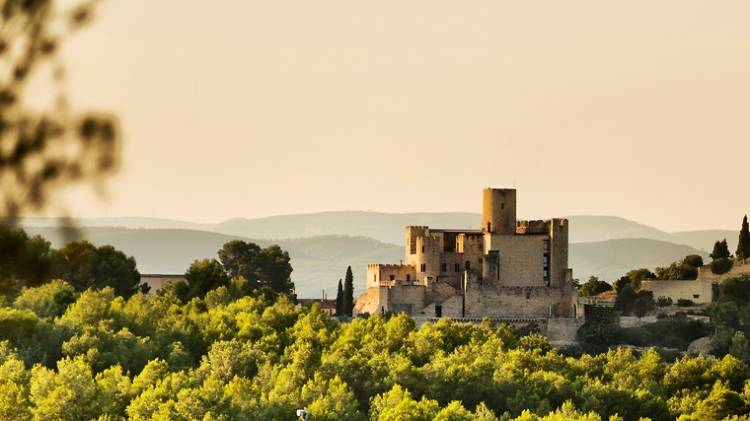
(251, 108)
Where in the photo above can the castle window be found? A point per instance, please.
(502, 206)
(408, 278)
(696, 296)
(423, 267)
(438, 310)
(423, 248)
(467, 265)
(444, 267)
(489, 227)
(545, 261)
(457, 267)
(393, 277)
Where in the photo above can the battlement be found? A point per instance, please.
(531, 227)
(388, 265)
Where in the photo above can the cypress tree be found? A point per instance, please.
(348, 301)
(721, 250)
(743, 245)
(340, 299)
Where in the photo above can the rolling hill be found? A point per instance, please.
(385, 227)
(323, 244)
(318, 262)
(389, 227)
(613, 258)
(704, 240)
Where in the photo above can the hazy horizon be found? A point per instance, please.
(252, 109)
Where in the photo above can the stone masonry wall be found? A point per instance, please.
(521, 259)
(378, 273)
(700, 292)
(518, 302)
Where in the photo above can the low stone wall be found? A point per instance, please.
(699, 292)
(541, 302)
(371, 300)
(632, 321)
(157, 281)
(563, 331)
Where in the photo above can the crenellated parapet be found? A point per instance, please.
(532, 227)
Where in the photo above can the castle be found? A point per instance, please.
(510, 270)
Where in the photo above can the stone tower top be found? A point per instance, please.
(499, 211)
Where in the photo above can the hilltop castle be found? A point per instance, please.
(507, 270)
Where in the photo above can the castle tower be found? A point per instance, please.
(558, 251)
(499, 211)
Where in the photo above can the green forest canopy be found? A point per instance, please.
(96, 355)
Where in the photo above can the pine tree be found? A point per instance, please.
(340, 300)
(721, 250)
(348, 301)
(743, 245)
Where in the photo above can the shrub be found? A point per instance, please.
(693, 260)
(677, 332)
(721, 266)
(643, 305)
(634, 336)
(682, 302)
(593, 287)
(677, 271)
(736, 289)
(626, 299)
(600, 327)
(664, 301)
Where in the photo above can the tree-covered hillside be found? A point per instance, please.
(97, 356)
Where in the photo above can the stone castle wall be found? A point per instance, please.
(562, 331)
(519, 301)
(384, 274)
(520, 259)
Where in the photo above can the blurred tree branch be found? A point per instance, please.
(45, 148)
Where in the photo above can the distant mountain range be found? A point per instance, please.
(613, 258)
(323, 244)
(318, 262)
